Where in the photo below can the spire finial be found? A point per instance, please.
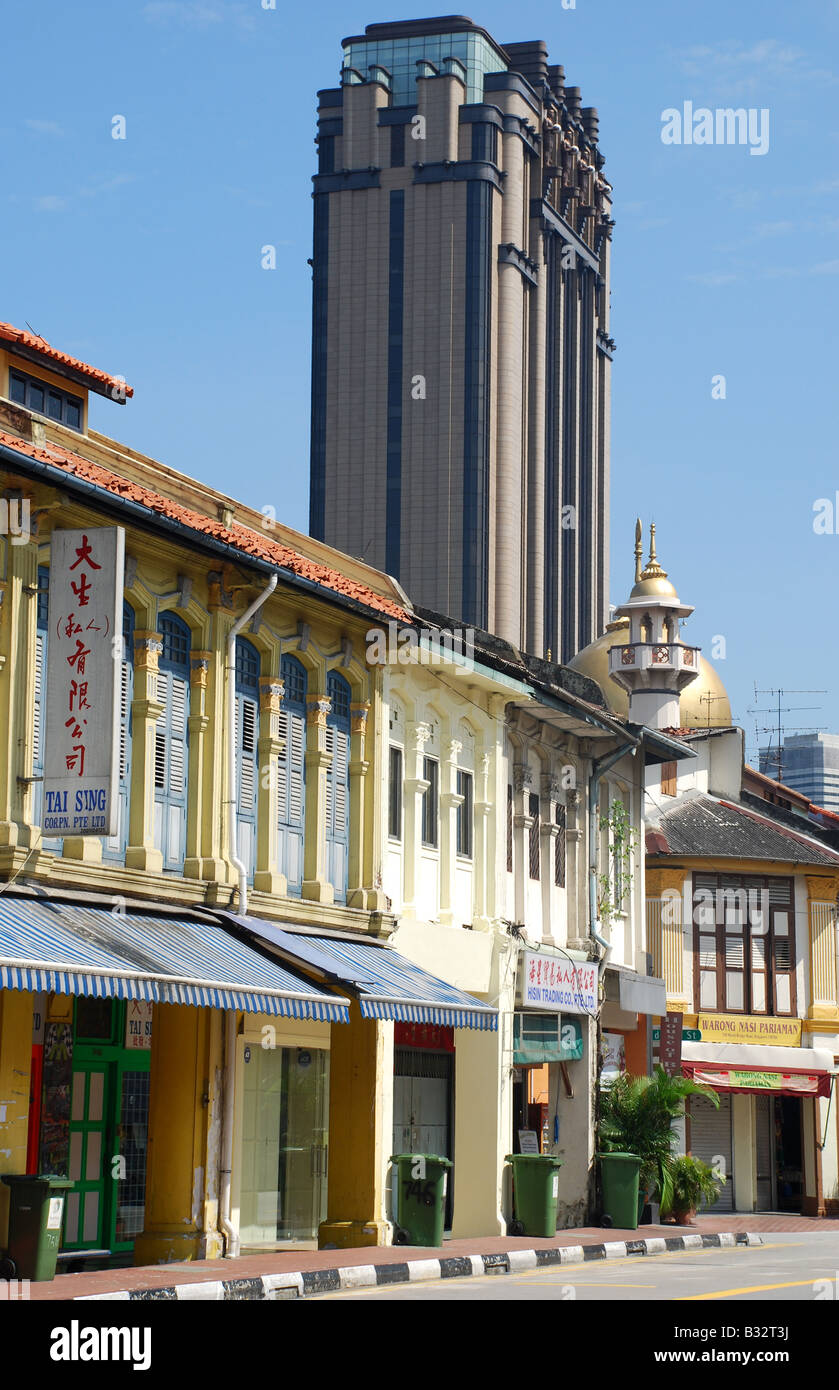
(638, 549)
(652, 543)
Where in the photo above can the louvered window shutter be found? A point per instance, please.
(337, 788)
(171, 743)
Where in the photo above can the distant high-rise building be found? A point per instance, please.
(461, 353)
(808, 763)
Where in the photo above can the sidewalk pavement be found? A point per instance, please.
(291, 1273)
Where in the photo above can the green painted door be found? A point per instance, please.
(108, 1132)
(90, 1106)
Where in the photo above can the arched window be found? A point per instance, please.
(114, 846)
(338, 784)
(171, 738)
(247, 733)
(39, 712)
(291, 774)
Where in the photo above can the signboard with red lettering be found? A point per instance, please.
(84, 667)
(557, 982)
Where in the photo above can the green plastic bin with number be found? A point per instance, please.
(535, 1192)
(619, 1179)
(421, 1181)
(36, 1208)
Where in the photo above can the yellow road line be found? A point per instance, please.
(751, 1288)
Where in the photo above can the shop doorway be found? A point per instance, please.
(786, 1117)
(285, 1126)
(94, 1121)
(422, 1107)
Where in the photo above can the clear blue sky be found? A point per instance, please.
(142, 256)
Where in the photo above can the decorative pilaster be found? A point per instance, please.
(18, 617)
(665, 935)
(198, 724)
(146, 709)
(449, 802)
(415, 786)
(318, 761)
(549, 830)
(522, 821)
(821, 911)
(358, 895)
(267, 877)
(484, 837)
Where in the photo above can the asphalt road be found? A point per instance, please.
(799, 1268)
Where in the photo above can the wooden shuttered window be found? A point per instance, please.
(744, 944)
(668, 779)
(394, 793)
(559, 848)
(535, 835)
(171, 743)
(247, 735)
(291, 774)
(338, 784)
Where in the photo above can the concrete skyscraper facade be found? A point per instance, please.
(461, 349)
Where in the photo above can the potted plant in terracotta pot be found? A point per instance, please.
(694, 1185)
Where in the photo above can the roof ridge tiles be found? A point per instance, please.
(35, 343)
(236, 535)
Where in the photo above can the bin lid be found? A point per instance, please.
(427, 1158)
(535, 1158)
(621, 1158)
(46, 1178)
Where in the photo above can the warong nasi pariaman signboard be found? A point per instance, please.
(84, 665)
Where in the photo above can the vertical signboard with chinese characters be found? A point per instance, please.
(670, 1044)
(84, 663)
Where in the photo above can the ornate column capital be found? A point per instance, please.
(199, 669)
(147, 649)
(271, 691)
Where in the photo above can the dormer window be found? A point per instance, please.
(45, 399)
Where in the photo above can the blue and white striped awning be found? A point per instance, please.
(387, 984)
(118, 954)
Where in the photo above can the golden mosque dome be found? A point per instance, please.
(703, 703)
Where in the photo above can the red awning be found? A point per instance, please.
(789, 1082)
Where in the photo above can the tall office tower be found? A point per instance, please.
(807, 762)
(461, 354)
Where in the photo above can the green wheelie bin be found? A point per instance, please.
(619, 1180)
(36, 1208)
(421, 1182)
(535, 1191)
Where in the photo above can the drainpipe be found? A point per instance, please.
(230, 1232)
(599, 767)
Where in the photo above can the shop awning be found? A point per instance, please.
(386, 984)
(75, 949)
(786, 1071)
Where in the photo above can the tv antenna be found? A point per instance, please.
(778, 728)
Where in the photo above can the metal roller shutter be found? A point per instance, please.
(710, 1138)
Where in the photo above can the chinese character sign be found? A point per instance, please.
(84, 668)
(557, 982)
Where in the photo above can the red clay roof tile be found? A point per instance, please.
(10, 334)
(242, 537)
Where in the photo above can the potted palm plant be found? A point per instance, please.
(637, 1115)
(694, 1185)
